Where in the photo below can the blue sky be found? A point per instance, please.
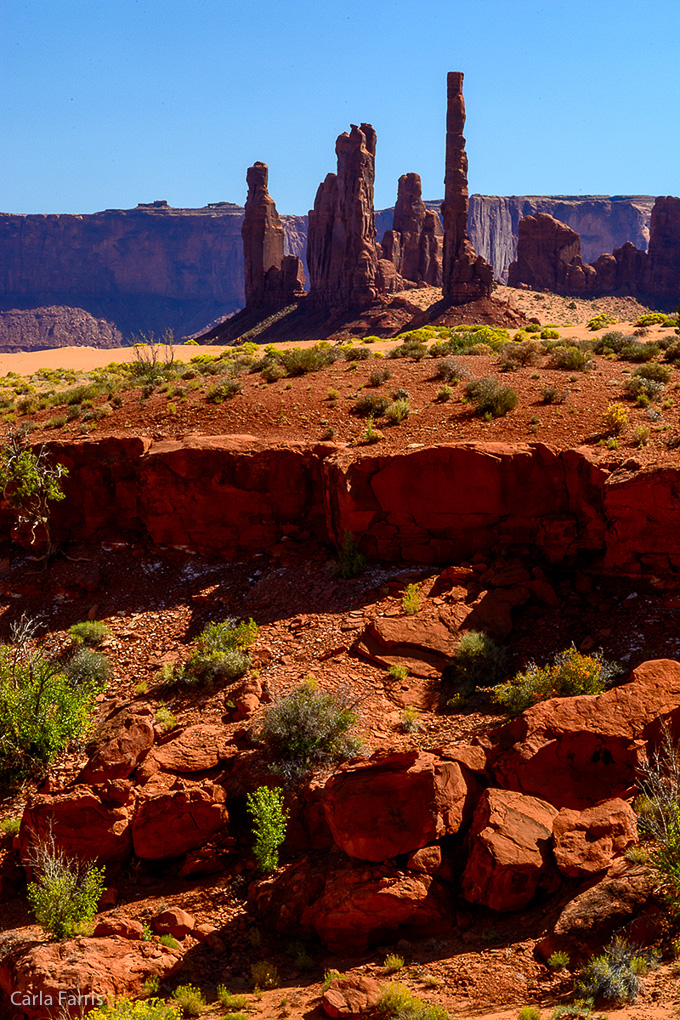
(107, 103)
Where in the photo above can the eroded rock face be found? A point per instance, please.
(92, 967)
(351, 905)
(351, 997)
(415, 242)
(586, 842)
(509, 850)
(83, 822)
(578, 751)
(119, 754)
(395, 804)
(171, 823)
(39, 329)
(663, 279)
(465, 276)
(271, 278)
(545, 247)
(342, 255)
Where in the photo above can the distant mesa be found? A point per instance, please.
(40, 329)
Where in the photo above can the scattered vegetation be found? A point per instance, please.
(145, 1009)
(308, 728)
(351, 562)
(569, 358)
(490, 398)
(89, 632)
(398, 672)
(658, 808)
(230, 1002)
(264, 974)
(398, 411)
(221, 652)
(559, 960)
(190, 1000)
(614, 975)
(270, 820)
(393, 963)
(398, 1003)
(10, 826)
(410, 720)
(600, 321)
(169, 941)
(571, 673)
(615, 420)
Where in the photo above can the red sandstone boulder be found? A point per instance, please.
(393, 804)
(175, 922)
(56, 973)
(118, 756)
(509, 855)
(350, 906)
(350, 997)
(247, 698)
(422, 643)
(193, 749)
(124, 927)
(176, 821)
(578, 751)
(84, 823)
(428, 860)
(586, 842)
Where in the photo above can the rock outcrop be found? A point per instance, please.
(415, 242)
(663, 277)
(272, 279)
(465, 276)
(545, 249)
(40, 329)
(345, 269)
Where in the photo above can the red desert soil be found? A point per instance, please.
(156, 601)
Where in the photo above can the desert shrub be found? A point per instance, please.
(570, 359)
(477, 661)
(571, 673)
(333, 394)
(270, 819)
(356, 354)
(42, 710)
(10, 826)
(169, 941)
(221, 652)
(450, 371)
(655, 372)
(652, 319)
(398, 1003)
(412, 348)
(220, 392)
(273, 371)
(29, 482)
(516, 355)
(264, 974)
(89, 632)
(398, 672)
(529, 1013)
(300, 361)
(165, 719)
(371, 405)
(398, 411)
(411, 600)
(553, 395)
(126, 1009)
(65, 892)
(641, 436)
(615, 420)
(548, 333)
(613, 976)
(379, 376)
(393, 963)
(637, 352)
(444, 393)
(600, 321)
(658, 809)
(306, 728)
(88, 669)
(612, 342)
(640, 387)
(410, 720)
(558, 960)
(489, 397)
(351, 562)
(190, 1000)
(231, 1002)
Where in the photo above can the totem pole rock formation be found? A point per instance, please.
(345, 268)
(466, 276)
(272, 279)
(415, 243)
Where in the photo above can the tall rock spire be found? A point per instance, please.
(466, 276)
(271, 277)
(414, 244)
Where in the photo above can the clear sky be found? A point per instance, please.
(107, 103)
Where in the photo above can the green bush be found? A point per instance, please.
(570, 674)
(398, 1003)
(88, 669)
(66, 892)
(221, 652)
(89, 632)
(489, 397)
(653, 319)
(658, 808)
(398, 411)
(169, 941)
(269, 825)
(351, 562)
(29, 482)
(450, 371)
(478, 661)
(570, 359)
(411, 600)
(633, 351)
(615, 420)
(230, 1002)
(639, 386)
(190, 1000)
(613, 976)
(126, 1009)
(600, 321)
(371, 405)
(10, 826)
(264, 974)
(515, 354)
(42, 710)
(379, 376)
(307, 728)
(300, 361)
(220, 392)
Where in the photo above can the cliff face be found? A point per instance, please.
(603, 223)
(40, 329)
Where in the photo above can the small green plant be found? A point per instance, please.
(529, 1013)
(444, 393)
(190, 1000)
(126, 1009)
(397, 1002)
(29, 482)
(264, 974)
(371, 433)
(221, 652)
(169, 941)
(333, 394)
(641, 436)
(379, 376)
(165, 719)
(270, 819)
(65, 892)
(569, 359)
(489, 397)
(553, 395)
(151, 985)
(558, 960)
(430, 981)
(89, 632)
(306, 729)
(398, 411)
(88, 669)
(478, 660)
(220, 392)
(571, 673)
(10, 826)
(393, 963)
(410, 720)
(232, 1003)
(147, 934)
(351, 562)
(613, 976)
(329, 976)
(398, 672)
(615, 420)
(371, 405)
(411, 600)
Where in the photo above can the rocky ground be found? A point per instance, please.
(346, 634)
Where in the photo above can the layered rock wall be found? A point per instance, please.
(236, 496)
